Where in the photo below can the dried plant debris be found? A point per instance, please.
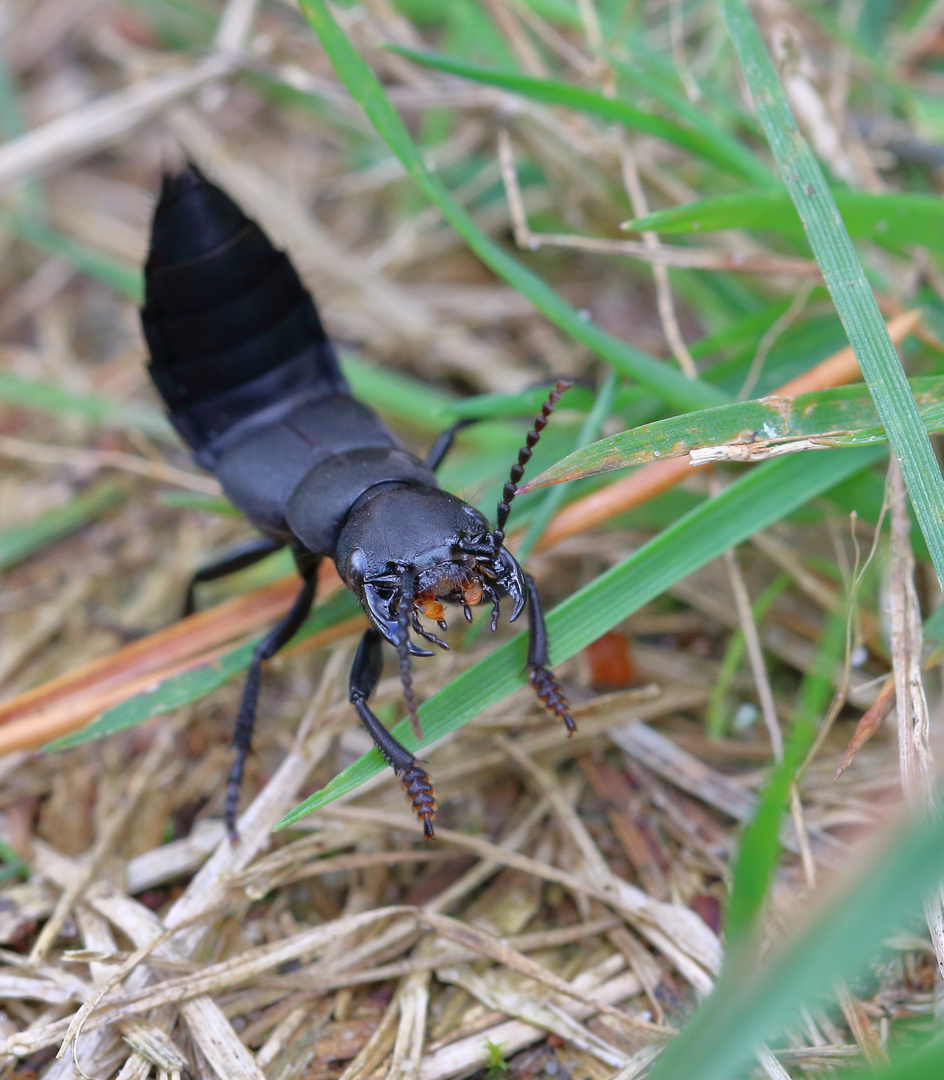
(570, 918)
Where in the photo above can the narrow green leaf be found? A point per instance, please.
(922, 1064)
(19, 543)
(845, 280)
(399, 396)
(889, 218)
(98, 408)
(11, 865)
(759, 848)
(551, 92)
(715, 719)
(839, 416)
(754, 1002)
(193, 500)
(122, 278)
(753, 502)
(525, 402)
(661, 379)
(180, 690)
(741, 157)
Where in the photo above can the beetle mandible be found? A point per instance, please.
(252, 384)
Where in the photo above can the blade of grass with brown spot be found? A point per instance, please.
(845, 279)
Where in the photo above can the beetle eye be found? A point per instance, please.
(357, 567)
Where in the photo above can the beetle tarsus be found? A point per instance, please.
(365, 674)
(422, 795)
(549, 693)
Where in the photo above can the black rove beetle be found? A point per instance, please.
(252, 384)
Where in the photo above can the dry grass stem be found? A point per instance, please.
(80, 133)
(916, 756)
(93, 460)
(742, 603)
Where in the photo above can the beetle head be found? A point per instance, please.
(428, 546)
(405, 550)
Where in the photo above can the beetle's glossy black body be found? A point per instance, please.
(252, 384)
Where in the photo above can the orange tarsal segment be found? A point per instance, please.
(473, 594)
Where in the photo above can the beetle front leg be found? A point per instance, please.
(365, 674)
(540, 678)
(246, 721)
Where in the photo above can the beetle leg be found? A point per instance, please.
(496, 604)
(378, 613)
(443, 443)
(540, 678)
(365, 674)
(245, 722)
(247, 554)
(431, 638)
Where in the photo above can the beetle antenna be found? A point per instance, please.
(524, 456)
(403, 652)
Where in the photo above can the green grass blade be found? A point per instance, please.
(839, 416)
(19, 543)
(922, 1064)
(122, 278)
(97, 408)
(193, 500)
(845, 280)
(753, 1002)
(741, 157)
(661, 379)
(889, 218)
(715, 719)
(525, 402)
(759, 848)
(552, 92)
(399, 396)
(753, 502)
(188, 686)
(11, 865)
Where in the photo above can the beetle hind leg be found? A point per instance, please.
(246, 720)
(365, 674)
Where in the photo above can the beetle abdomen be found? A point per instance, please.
(229, 325)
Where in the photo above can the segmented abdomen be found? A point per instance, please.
(229, 324)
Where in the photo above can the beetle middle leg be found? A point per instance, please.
(365, 674)
(238, 558)
(444, 441)
(540, 678)
(265, 650)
